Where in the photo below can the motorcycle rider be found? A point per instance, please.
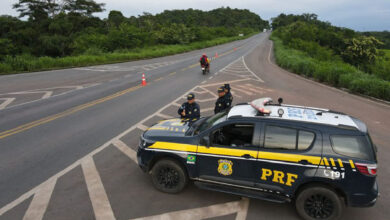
(204, 61)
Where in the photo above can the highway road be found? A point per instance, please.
(68, 137)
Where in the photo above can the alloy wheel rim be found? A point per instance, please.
(168, 177)
(319, 206)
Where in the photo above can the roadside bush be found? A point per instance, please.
(336, 73)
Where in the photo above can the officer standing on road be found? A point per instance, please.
(189, 110)
(221, 104)
(228, 95)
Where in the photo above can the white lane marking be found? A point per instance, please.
(176, 104)
(224, 82)
(142, 127)
(235, 94)
(125, 149)
(100, 203)
(210, 92)
(242, 90)
(243, 61)
(6, 102)
(200, 213)
(76, 88)
(28, 194)
(206, 110)
(164, 116)
(206, 100)
(210, 77)
(244, 205)
(47, 95)
(38, 205)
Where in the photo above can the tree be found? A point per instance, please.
(83, 7)
(361, 51)
(36, 10)
(115, 18)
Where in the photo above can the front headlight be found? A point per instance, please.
(143, 143)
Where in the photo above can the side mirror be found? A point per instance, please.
(205, 141)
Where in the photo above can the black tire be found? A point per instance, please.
(168, 176)
(319, 202)
(204, 72)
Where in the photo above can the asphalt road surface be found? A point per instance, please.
(68, 137)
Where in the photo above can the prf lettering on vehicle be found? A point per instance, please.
(278, 176)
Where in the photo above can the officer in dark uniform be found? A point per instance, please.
(189, 110)
(221, 104)
(228, 95)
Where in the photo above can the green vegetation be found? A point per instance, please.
(336, 56)
(65, 33)
(92, 56)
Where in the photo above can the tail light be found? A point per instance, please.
(367, 169)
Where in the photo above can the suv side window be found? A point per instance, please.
(353, 146)
(277, 137)
(233, 135)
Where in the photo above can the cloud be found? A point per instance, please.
(356, 14)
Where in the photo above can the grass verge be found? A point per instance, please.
(335, 73)
(27, 63)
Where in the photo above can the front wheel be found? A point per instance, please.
(168, 176)
(319, 202)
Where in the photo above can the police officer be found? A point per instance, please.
(228, 95)
(221, 104)
(189, 110)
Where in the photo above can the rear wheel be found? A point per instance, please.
(168, 176)
(318, 202)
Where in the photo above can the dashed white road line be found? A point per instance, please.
(100, 203)
(38, 205)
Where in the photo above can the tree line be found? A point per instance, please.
(59, 28)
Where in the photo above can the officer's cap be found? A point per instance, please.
(221, 89)
(227, 86)
(190, 96)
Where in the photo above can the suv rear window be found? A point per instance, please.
(352, 146)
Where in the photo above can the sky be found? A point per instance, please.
(360, 15)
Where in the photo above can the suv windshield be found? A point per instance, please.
(213, 120)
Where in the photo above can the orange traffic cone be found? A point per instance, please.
(216, 54)
(143, 80)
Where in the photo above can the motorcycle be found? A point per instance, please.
(205, 69)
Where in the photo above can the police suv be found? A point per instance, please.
(320, 159)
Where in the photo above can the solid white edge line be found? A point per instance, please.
(243, 60)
